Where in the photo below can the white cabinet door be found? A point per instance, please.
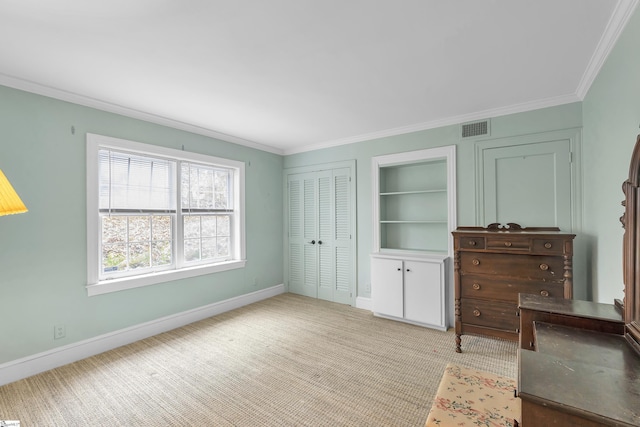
(423, 293)
(386, 287)
(409, 289)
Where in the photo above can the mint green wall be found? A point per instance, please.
(611, 119)
(43, 252)
(554, 118)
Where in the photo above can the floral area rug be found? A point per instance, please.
(467, 397)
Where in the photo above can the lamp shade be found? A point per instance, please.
(10, 202)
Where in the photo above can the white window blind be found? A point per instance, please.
(135, 183)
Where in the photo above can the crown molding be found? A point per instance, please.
(62, 95)
(455, 120)
(621, 14)
(51, 92)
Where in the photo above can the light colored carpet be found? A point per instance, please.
(285, 361)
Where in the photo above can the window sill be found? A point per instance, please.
(125, 283)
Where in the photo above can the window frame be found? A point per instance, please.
(95, 286)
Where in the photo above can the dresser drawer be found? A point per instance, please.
(509, 244)
(474, 242)
(498, 315)
(484, 287)
(543, 268)
(548, 246)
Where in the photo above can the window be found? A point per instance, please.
(156, 214)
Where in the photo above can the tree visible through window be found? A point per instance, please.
(206, 208)
(158, 212)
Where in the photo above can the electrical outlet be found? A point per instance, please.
(59, 331)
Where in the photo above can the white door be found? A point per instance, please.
(528, 184)
(423, 292)
(387, 286)
(320, 235)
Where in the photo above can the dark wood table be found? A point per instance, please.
(560, 311)
(578, 375)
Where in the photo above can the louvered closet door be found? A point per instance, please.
(342, 236)
(303, 248)
(320, 236)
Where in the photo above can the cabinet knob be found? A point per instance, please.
(475, 261)
(548, 245)
(544, 267)
(399, 269)
(476, 286)
(408, 269)
(507, 244)
(476, 312)
(472, 243)
(544, 293)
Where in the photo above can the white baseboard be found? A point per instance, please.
(364, 303)
(37, 363)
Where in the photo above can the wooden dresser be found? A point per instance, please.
(494, 264)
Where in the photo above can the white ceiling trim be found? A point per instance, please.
(621, 14)
(495, 112)
(74, 98)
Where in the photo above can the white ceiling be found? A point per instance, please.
(293, 75)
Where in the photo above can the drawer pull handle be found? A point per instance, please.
(548, 245)
(476, 286)
(475, 261)
(544, 267)
(476, 312)
(544, 293)
(472, 243)
(507, 244)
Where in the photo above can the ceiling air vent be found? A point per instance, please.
(475, 129)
